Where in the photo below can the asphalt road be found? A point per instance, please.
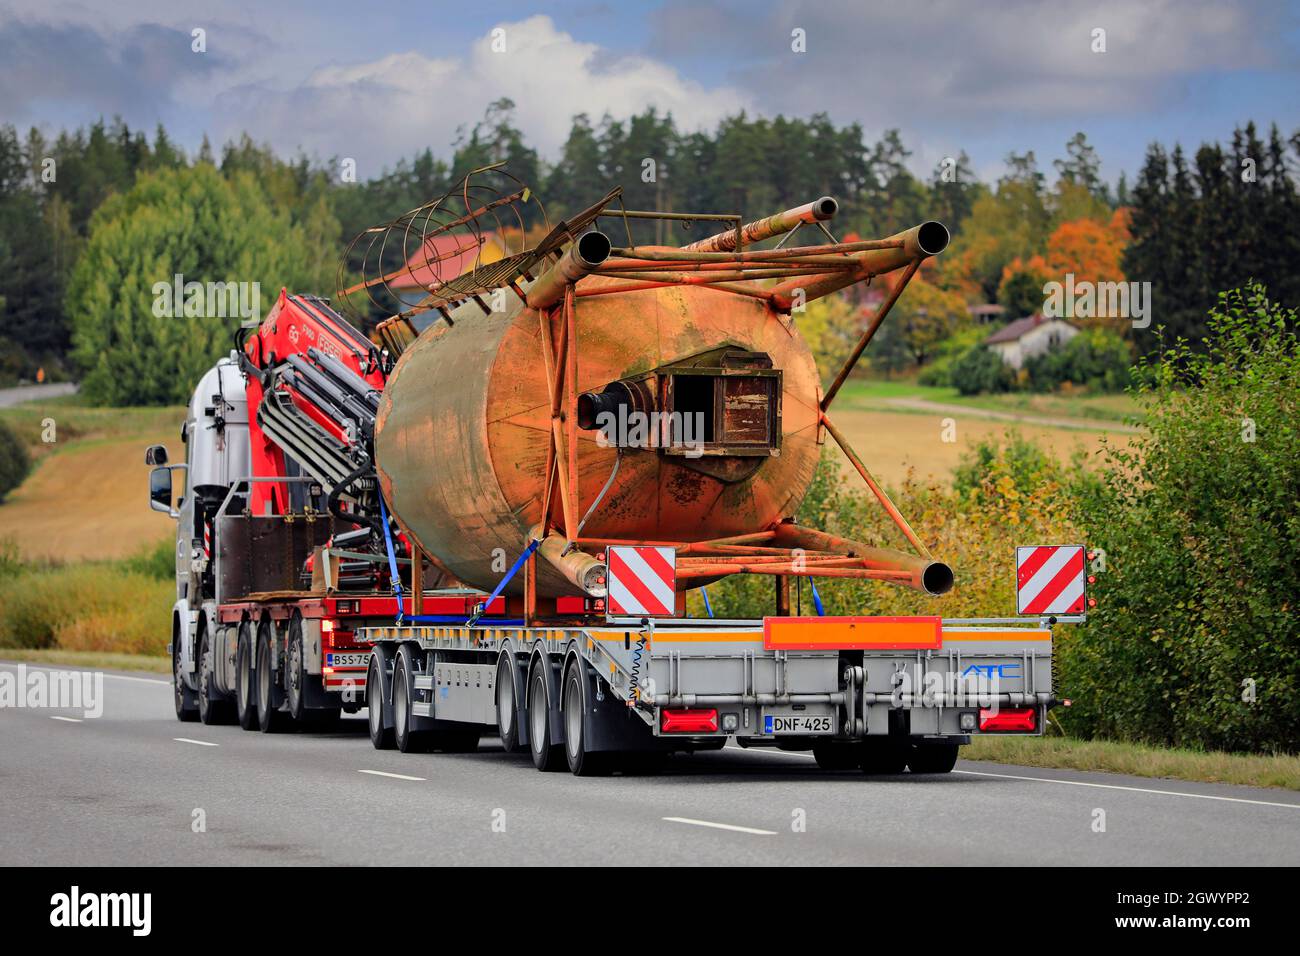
(124, 788)
(30, 393)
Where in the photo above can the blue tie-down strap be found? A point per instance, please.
(392, 558)
(817, 598)
(519, 563)
(707, 607)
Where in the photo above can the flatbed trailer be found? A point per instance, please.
(296, 656)
(877, 693)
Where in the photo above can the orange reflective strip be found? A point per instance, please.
(851, 633)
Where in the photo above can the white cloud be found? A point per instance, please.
(952, 61)
(403, 102)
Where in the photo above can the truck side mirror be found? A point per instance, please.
(160, 491)
(155, 455)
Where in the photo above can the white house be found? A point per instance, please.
(1029, 337)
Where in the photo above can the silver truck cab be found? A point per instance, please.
(215, 434)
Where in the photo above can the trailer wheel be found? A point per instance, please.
(187, 708)
(294, 694)
(270, 719)
(507, 712)
(245, 695)
(932, 758)
(837, 755)
(884, 756)
(546, 756)
(407, 739)
(574, 704)
(381, 730)
(214, 707)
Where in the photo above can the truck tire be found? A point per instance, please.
(885, 756)
(507, 696)
(546, 756)
(270, 719)
(932, 758)
(187, 706)
(377, 716)
(214, 706)
(574, 706)
(245, 679)
(837, 755)
(295, 685)
(295, 696)
(407, 739)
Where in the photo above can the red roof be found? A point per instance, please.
(443, 257)
(1014, 330)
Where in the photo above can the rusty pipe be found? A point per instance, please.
(585, 254)
(920, 242)
(579, 568)
(782, 222)
(925, 574)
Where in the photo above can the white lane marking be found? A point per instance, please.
(1102, 786)
(70, 720)
(1113, 786)
(719, 826)
(138, 680)
(41, 667)
(191, 740)
(395, 776)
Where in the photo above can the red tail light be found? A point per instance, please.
(689, 721)
(1009, 718)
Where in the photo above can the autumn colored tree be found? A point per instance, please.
(926, 315)
(1021, 290)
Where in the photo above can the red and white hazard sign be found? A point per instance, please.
(1050, 579)
(642, 580)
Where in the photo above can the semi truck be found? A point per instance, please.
(486, 523)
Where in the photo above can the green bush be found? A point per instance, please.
(1024, 461)
(86, 607)
(980, 369)
(15, 462)
(976, 531)
(157, 561)
(938, 371)
(1096, 358)
(11, 561)
(195, 223)
(105, 606)
(1195, 639)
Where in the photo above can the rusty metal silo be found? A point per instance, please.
(487, 432)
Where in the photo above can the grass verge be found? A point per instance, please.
(92, 659)
(114, 607)
(1063, 753)
(1080, 405)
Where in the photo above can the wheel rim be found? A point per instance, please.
(505, 701)
(177, 687)
(537, 711)
(205, 678)
(241, 674)
(264, 679)
(293, 678)
(399, 702)
(573, 715)
(374, 701)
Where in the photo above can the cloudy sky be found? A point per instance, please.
(379, 80)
